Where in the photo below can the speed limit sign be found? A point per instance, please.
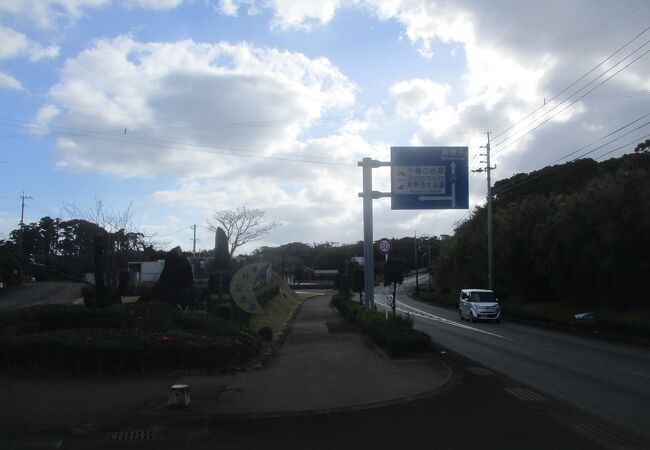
(384, 246)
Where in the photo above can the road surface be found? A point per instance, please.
(607, 379)
(46, 292)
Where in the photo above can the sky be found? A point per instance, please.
(181, 108)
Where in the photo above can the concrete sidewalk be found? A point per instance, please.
(323, 365)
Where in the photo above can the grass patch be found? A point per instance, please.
(634, 324)
(277, 311)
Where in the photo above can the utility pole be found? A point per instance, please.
(194, 241)
(22, 221)
(488, 169)
(417, 281)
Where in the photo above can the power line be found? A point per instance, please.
(575, 82)
(223, 150)
(573, 102)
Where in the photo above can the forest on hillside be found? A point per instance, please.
(577, 233)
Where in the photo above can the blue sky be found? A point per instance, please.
(271, 103)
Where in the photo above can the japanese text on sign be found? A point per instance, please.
(419, 180)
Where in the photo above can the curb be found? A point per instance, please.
(139, 422)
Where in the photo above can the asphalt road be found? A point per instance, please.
(609, 380)
(46, 292)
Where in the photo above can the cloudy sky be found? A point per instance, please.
(187, 107)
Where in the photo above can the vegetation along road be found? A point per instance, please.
(607, 379)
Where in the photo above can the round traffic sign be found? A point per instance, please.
(384, 246)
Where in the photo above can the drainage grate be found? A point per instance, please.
(607, 436)
(27, 444)
(525, 394)
(133, 435)
(480, 371)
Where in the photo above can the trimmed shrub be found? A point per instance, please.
(57, 317)
(122, 350)
(395, 334)
(143, 337)
(206, 324)
(266, 334)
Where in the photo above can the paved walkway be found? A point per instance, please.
(44, 292)
(323, 365)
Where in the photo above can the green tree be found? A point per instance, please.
(394, 274)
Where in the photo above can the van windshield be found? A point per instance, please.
(482, 297)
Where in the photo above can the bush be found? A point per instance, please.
(151, 315)
(395, 334)
(206, 324)
(57, 317)
(86, 350)
(137, 337)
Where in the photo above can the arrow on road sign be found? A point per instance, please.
(428, 198)
(452, 197)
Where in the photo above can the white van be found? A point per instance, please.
(478, 304)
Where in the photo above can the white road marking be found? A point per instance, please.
(524, 394)
(425, 315)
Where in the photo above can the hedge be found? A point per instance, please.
(395, 334)
(122, 351)
(137, 337)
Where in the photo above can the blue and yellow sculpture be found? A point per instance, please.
(242, 287)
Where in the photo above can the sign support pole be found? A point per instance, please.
(368, 243)
(368, 251)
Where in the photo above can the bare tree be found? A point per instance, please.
(107, 218)
(118, 235)
(242, 225)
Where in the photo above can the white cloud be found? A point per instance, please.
(417, 95)
(186, 106)
(46, 115)
(50, 13)
(47, 13)
(9, 82)
(153, 4)
(14, 44)
(287, 13)
(228, 7)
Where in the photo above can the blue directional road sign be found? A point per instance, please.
(429, 178)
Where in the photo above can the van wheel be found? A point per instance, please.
(460, 314)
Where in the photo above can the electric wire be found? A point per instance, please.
(497, 135)
(570, 104)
